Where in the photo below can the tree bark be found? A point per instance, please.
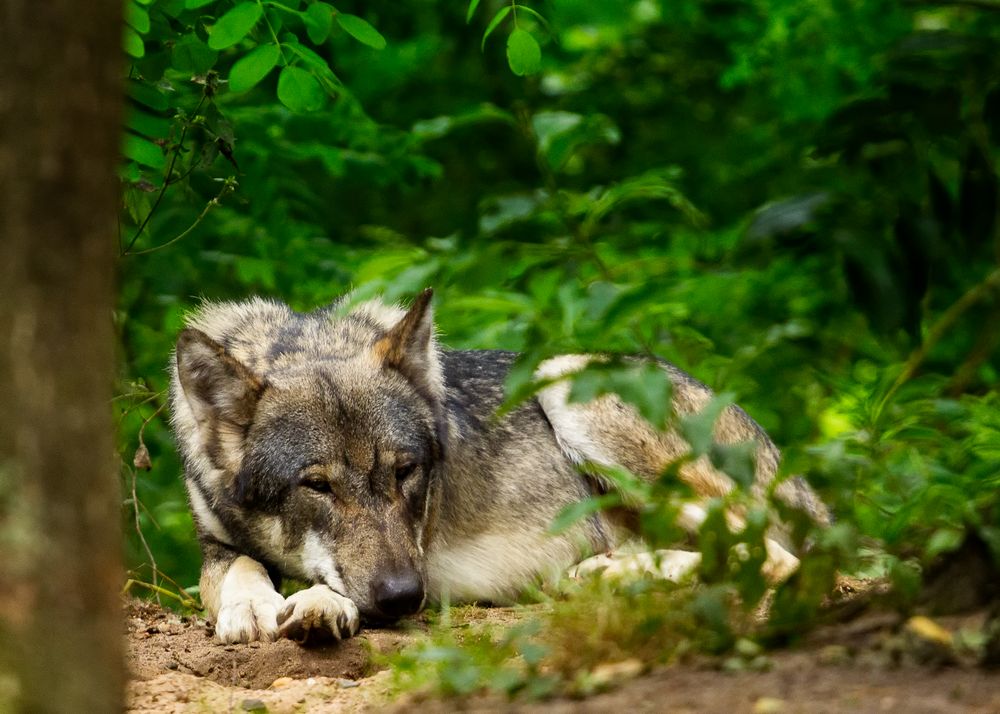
(60, 570)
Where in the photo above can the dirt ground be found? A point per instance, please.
(873, 664)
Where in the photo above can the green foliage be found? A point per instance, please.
(453, 662)
(795, 202)
(524, 55)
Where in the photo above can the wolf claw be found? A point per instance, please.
(318, 614)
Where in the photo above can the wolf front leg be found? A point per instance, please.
(238, 595)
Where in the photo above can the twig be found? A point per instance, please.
(151, 396)
(938, 330)
(984, 347)
(135, 395)
(194, 604)
(184, 599)
(166, 178)
(138, 529)
(142, 429)
(228, 186)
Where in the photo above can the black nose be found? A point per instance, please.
(399, 593)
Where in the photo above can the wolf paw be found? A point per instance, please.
(253, 616)
(318, 614)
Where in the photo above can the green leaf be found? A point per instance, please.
(361, 31)
(253, 67)
(523, 53)
(714, 541)
(905, 577)
(497, 19)
(133, 44)
(645, 386)
(234, 25)
(193, 56)
(318, 19)
(944, 540)
(144, 151)
(319, 66)
(130, 172)
(697, 429)
(299, 91)
(473, 4)
(147, 95)
(137, 18)
(195, 4)
(736, 461)
(147, 124)
(575, 512)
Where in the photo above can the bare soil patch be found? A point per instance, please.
(868, 665)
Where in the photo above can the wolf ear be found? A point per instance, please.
(409, 348)
(218, 387)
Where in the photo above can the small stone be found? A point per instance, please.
(747, 648)
(281, 683)
(611, 673)
(760, 663)
(768, 705)
(347, 683)
(171, 665)
(734, 664)
(253, 705)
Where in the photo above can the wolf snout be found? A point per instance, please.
(398, 593)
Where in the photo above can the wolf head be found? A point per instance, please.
(311, 442)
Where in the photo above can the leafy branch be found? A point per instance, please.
(975, 294)
(177, 150)
(228, 186)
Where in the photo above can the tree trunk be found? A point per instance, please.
(60, 570)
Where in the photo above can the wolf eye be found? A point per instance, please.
(316, 483)
(404, 471)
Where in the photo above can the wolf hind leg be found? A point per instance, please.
(609, 432)
(672, 565)
(630, 560)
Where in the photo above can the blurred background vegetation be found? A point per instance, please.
(795, 202)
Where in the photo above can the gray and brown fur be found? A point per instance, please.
(345, 448)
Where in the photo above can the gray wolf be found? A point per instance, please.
(346, 449)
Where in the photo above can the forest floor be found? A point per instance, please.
(866, 665)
